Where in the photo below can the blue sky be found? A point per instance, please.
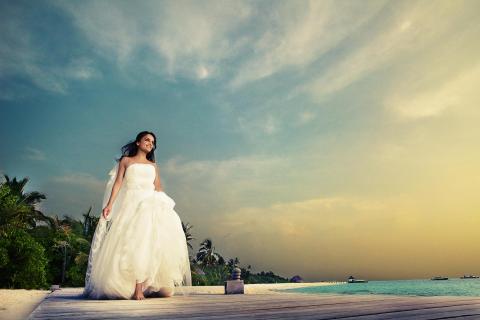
(282, 126)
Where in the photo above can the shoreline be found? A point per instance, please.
(255, 288)
(269, 288)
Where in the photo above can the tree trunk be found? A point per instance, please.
(64, 263)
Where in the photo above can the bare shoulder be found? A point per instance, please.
(157, 169)
(125, 161)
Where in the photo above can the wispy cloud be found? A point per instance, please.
(84, 180)
(255, 127)
(35, 154)
(202, 40)
(305, 117)
(230, 180)
(189, 38)
(237, 173)
(401, 35)
(312, 230)
(458, 92)
(73, 193)
(295, 34)
(81, 69)
(21, 55)
(197, 35)
(332, 236)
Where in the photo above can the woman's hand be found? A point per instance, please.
(106, 211)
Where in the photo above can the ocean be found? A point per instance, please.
(451, 287)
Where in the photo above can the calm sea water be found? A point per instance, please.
(451, 287)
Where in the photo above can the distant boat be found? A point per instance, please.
(351, 279)
(439, 278)
(470, 276)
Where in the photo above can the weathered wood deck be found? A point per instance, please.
(67, 304)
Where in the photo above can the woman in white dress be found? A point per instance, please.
(139, 247)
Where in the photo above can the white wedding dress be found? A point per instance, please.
(142, 239)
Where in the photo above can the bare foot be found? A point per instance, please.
(138, 294)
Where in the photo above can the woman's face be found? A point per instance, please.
(146, 143)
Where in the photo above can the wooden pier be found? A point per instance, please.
(68, 304)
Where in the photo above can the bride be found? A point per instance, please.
(139, 247)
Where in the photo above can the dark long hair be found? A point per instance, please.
(131, 148)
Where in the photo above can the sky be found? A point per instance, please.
(314, 138)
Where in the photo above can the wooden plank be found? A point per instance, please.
(315, 313)
(135, 303)
(67, 304)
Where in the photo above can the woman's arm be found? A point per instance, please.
(116, 186)
(157, 182)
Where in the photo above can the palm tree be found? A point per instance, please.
(17, 187)
(206, 254)
(89, 224)
(232, 263)
(64, 244)
(188, 236)
(30, 200)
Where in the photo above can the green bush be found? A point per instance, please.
(76, 276)
(199, 280)
(22, 260)
(3, 257)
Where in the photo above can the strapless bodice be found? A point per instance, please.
(139, 176)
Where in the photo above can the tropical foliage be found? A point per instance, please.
(37, 250)
(211, 268)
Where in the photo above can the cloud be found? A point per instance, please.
(255, 127)
(72, 194)
(226, 176)
(458, 92)
(300, 217)
(439, 81)
(35, 154)
(295, 34)
(81, 69)
(199, 32)
(332, 237)
(189, 38)
(202, 72)
(84, 180)
(205, 39)
(209, 186)
(108, 26)
(402, 35)
(305, 117)
(318, 232)
(22, 56)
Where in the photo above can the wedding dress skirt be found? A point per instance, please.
(142, 240)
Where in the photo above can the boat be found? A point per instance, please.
(351, 279)
(469, 276)
(439, 278)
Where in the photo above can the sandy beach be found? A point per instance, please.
(19, 303)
